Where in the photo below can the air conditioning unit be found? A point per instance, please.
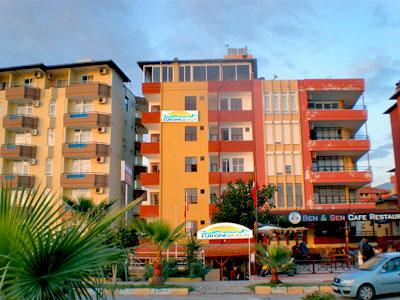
(102, 100)
(49, 75)
(33, 161)
(101, 130)
(100, 190)
(38, 74)
(34, 132)
(36, 103)
(101, 159)
(103, 71)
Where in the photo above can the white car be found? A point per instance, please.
(379, 275)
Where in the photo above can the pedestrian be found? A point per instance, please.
(304, 249)
(367, 251)
(233, 274)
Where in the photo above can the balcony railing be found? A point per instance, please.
(149, 179)
(22, 94)
(83, 180)
(340, 169)
(20, 122)
(340, 138)
(17, 180)
(354, 107)
(86, 119)
(85, 150)
(225, 177)
(18, 151)
(87, 90)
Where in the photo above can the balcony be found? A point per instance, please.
(86, 120)
(87, 90)
(149, 211)
(85, 150)
(356, 113)
(347, 147)
(225, 177)
(150, 179)
(83, 180)
(230, 146)
(20, 122)
(17, 181)
(230, 115)
(18, 152)
(151, 120)
(22, 94)
(342, 176)
(150, 150)
(139, 169)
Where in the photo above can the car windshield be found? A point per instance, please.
(372, 263)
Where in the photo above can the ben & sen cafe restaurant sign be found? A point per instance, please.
(296, 217)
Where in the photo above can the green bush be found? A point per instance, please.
(318, 296)
(197, 269)
(169, 269)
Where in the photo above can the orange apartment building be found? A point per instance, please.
(304, 136)
(68, 128)
(394, 112)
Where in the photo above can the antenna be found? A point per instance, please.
(275, 77)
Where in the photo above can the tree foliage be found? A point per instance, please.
(236, 204)
(46, 257)
(274, 258)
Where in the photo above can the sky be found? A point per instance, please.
(292, 39)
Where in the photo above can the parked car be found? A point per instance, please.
(379, 275)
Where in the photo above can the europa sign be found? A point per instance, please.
(179, 116)
(296, 217)
(224, 231)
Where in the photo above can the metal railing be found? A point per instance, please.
(341, 169)
(321, 266)
(341, 138)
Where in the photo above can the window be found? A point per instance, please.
(81, 166)
(152, 74)
(82, 135)
(213, 73)
(328, 164)
(225, 134)
(267, 103)
(50, 137)
(167, 74)
(86, 78)
(212, 133)
(190, 103)
(3, 86)
(281, 199)
(184, 73)
(24, 109)
(61, 83)
(154, 198)
(155, 138)
(299, 195)
(52, 108)
(289, 194)
(80, 193)
(154, 168)
(126, 104)
(191, 195)
(23, 138)
(392, 265)
(191, 228)
(212, 102)
(237, 134)
(190, 164)
(323, 105)
(228, 73)
(284, 103)
(213, 194)
(276, 103)
(199, 73)
(21, 167)
(288, 169)
(190, 133)
(293, 106)
(326, 133)
(28, 81)
(225, 165)
(155, 108)
(243, 72)
(237, 164)
(329, 194)
(83, 106)
(236, 104)
(213, 163)
(49, 167)
(223, 104)
(156, 74)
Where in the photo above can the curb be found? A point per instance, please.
(148, 292)
(292, 290)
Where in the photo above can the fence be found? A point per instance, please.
(323, 266)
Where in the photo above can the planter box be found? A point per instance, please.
(152, 292)
(311, 289)
(325, 289)
(279, 290)
(263, 290)
(295, 290)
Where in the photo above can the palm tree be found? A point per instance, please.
(46, 258)
(82, 207)
(162, 236)
(274, 257)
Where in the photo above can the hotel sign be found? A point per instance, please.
(378, 217)
(224, 231)
(179, 116)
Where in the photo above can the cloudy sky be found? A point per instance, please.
(293, 39)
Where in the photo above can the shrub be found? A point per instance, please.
(318, 296)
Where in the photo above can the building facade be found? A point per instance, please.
(67, 127)
(303, 136)
(394, 112)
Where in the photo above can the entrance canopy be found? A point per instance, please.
(224, 231)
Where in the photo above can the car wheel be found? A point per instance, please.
(366, 292)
